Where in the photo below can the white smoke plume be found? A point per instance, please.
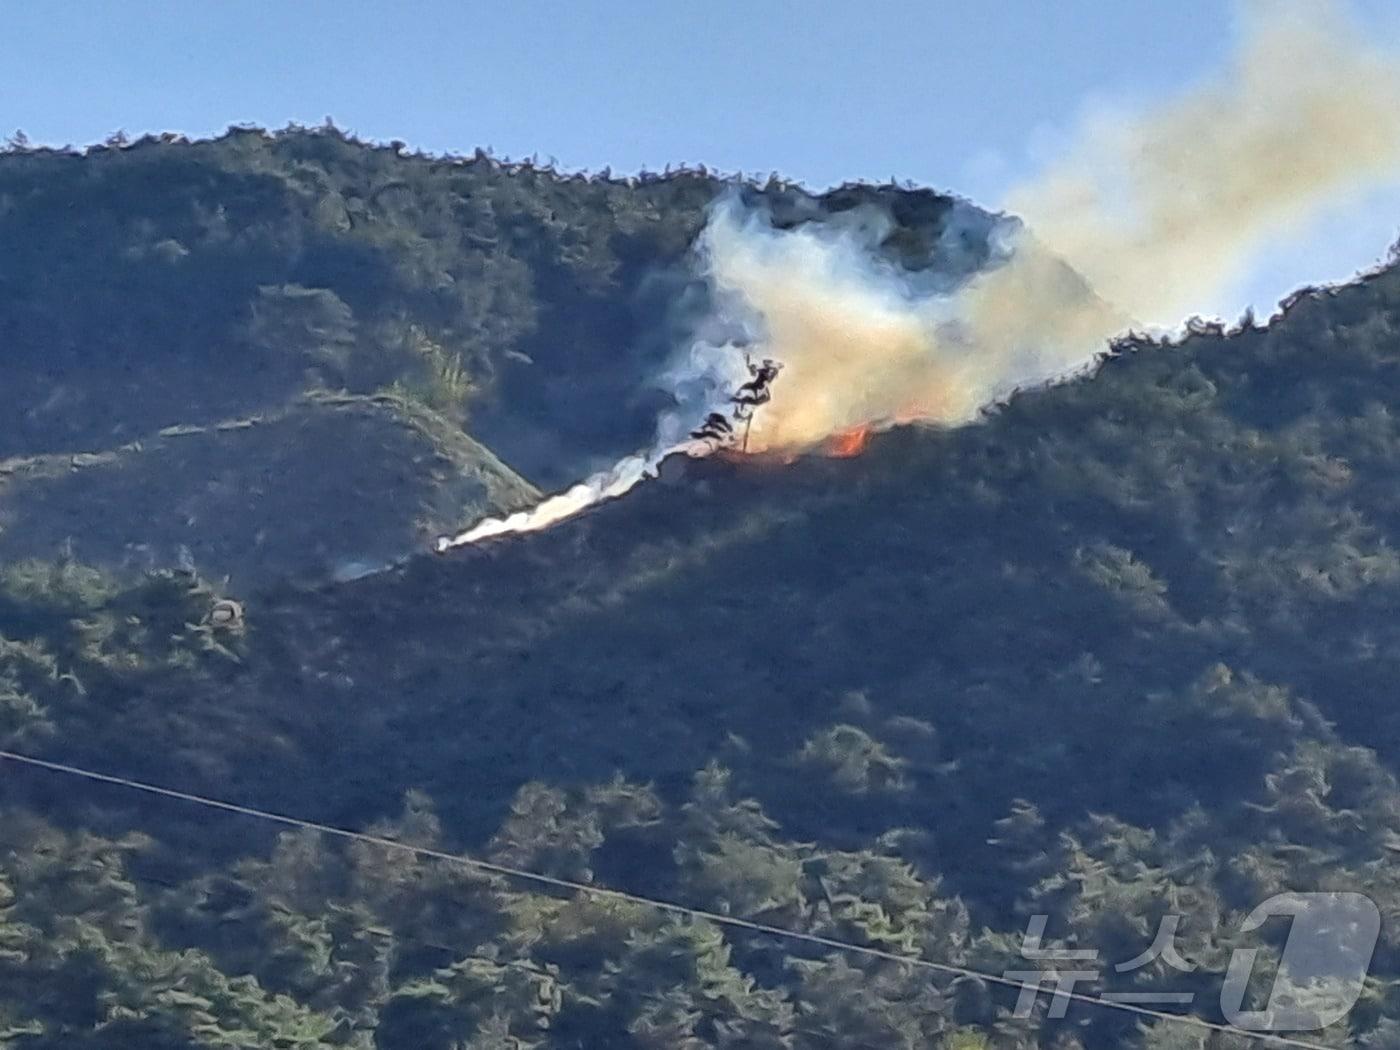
(700, 380)
(864, 342)
(603, 485)
(1163, 211)
(1157, 211)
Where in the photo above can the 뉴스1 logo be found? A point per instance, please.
(1320, 974)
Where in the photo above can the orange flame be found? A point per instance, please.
(848, 443)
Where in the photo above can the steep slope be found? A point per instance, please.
(331, 486)
(1127, 642)
(165, 282)
(1225, 497)
(1123, 648)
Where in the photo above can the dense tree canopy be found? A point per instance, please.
(1122, 649)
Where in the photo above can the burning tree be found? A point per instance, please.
(717, 427)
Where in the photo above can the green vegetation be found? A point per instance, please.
(331, 485)
(208, 280)
(1125, 648)
(164, 282)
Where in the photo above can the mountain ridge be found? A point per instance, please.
(1123, 648)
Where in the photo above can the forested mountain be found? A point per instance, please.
(1125, 647)
(330, 485)
(201, 281)
(163, 282)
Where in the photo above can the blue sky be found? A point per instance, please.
(955, 95)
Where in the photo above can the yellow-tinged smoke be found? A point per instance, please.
(1146, 219)
(860, 345)
(1159, 212)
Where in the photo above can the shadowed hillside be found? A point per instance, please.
(1125, 642)
(1122, 649)
(330, 486)
(165, 282)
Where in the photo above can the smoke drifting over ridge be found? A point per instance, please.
(864, 342)
(1158, 212)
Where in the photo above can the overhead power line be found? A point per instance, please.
(608, 893)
